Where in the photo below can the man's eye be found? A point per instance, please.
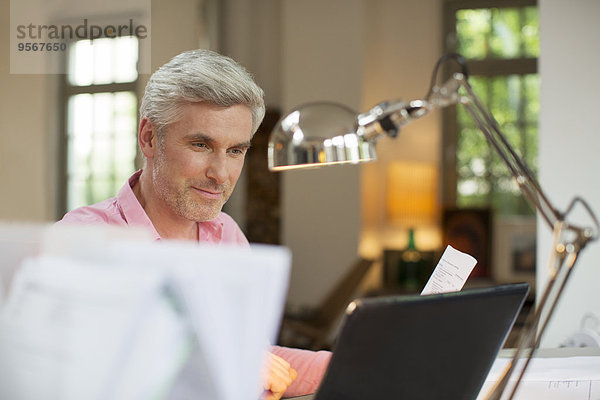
(200, 145)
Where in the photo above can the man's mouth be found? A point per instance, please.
(209, 193)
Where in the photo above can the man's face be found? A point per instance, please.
(200, 159)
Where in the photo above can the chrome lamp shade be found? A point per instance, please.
(318, 134)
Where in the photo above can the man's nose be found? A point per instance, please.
(217, 170)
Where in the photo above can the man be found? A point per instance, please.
(197, 118)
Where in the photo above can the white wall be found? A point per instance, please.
(569, 144)
(403, 42)
(26, 138)
(176, 27)
(250, 33)
(322, 53)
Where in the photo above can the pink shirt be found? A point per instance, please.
(310, 365)
(126, 210)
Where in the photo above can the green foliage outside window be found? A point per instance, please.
(484, 34)
(498, 32)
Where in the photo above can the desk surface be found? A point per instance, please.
(556, 352)
(540, 353)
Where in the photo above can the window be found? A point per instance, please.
(501, 45)
(500, 41)
(100, 125)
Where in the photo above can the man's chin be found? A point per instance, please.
(203, 215)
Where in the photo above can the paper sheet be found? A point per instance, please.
(110, 317)
(557, 378)
(72, 326)
(451, 273)
(234, 299)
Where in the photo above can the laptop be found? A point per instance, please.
(421, 347)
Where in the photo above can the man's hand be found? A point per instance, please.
(278, 375)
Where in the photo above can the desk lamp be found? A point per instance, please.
(320, 134)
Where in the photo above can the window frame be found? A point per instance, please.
(66, 90)
(489, 67)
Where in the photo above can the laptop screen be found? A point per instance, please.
(421, 347)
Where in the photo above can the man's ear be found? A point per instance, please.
(147, 138)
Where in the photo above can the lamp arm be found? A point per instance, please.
(569, 239)
(296, 149)
(519, 170)
(387, 118)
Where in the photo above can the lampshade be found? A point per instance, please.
(411, 191)
(317, 134)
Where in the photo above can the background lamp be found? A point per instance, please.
(411, 191)
(325, 133)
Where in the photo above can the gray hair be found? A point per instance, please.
(195, 76)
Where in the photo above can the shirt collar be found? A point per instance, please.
(211, 231)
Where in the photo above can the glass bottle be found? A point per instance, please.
(410, 268)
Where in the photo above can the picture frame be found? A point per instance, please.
(515, 249)
(469, 230)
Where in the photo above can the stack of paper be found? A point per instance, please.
(552, 378)
(71, 328)
(115, 318)
(234, 298)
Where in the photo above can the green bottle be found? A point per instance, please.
(410, 268)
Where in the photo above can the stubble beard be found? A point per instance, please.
(179, 196)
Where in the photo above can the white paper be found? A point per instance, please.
(19, 241)
(560, 378)
(234, 299)
(451, 272)
(108, 317)
(72, 327)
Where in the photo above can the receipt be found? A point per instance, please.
(451, 273)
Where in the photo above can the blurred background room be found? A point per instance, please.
(69, 139)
